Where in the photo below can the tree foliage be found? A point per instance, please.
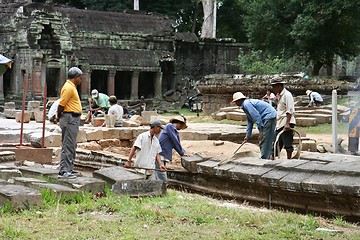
(315, 29)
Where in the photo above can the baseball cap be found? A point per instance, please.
(94, 93)
(156, 123)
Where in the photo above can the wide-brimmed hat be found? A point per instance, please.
(179, 119)
(308, 92)
(94, 93)
(237, 96)
(277, 80)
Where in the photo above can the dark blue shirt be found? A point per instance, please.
(169, 139)
(258, 112)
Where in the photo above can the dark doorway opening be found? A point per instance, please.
(99, 80)
(7, 83)
(168, 82)
(52, 81)
(146, 84)
(123, 85)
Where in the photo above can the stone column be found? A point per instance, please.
(135, 85)
(85, 84)
(111, 83)
(158, 84)
(2, 88)
(36, 81)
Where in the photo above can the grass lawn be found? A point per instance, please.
(178, 215)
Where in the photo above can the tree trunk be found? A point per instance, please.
(316, 68)
(329, 68)
(208, 29)
(136, 5)
(195, 16)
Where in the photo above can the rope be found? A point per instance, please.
(276, 145)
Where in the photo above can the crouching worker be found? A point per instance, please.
(264, 115)
(147, 149)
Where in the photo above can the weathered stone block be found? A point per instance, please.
(81, 137)
(236, 116)
(129, 123)
(189, 135)
(136, 118)
(9, 105)
(93, 185)
(146, 116)
(37, 171)
(220, 116)
(115, 174)
(9, 173)
(38, 155)
(10, 113)
(26, 117)
(51, 139)
(111, 133)
(207, 167)
(309, 145)
(104, 143)
(57, 189)
(140, 188)
(125, 134)
(97, 121)
(189, 163)
(94, 134)
(306, 121)
(19, 196)
(26, 181)
(33, 105)
(38, 116)
(7, 156)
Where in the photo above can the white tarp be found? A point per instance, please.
(4, 60)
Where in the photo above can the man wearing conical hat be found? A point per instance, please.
(169, 139)
(264, 115)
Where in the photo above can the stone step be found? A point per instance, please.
(19, 196)
(87, 184)
(38, 171)
(306, 121)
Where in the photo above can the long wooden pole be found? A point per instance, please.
(44, 117)
(23, 109)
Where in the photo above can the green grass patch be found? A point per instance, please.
(178, 215)
(343, 128)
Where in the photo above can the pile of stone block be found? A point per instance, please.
(305, 116)
(312, 116)
(33, 112)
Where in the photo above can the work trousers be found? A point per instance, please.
(268, 138)
(159, 175)
(285, 140)
(69, 125)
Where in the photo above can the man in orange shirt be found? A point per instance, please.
(68, 113)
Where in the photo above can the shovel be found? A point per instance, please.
(222, 162)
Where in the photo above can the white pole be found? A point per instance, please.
(334, 122)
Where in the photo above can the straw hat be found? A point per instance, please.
(308, 92)
(238, 96)
(180, 119)
(277, 80)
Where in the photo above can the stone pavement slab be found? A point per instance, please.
(114, 174)
(93, 185)
(57, 189)
(9, 173)
(37, 171)
(19, 196)
(140, 188)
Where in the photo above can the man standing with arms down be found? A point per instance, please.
(264, 115)
(285, 117)
(68, 113)
(147, 149)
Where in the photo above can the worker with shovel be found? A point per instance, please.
(264, 115)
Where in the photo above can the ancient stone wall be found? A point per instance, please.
(217, 89)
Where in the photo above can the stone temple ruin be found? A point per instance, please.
(129, 55)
